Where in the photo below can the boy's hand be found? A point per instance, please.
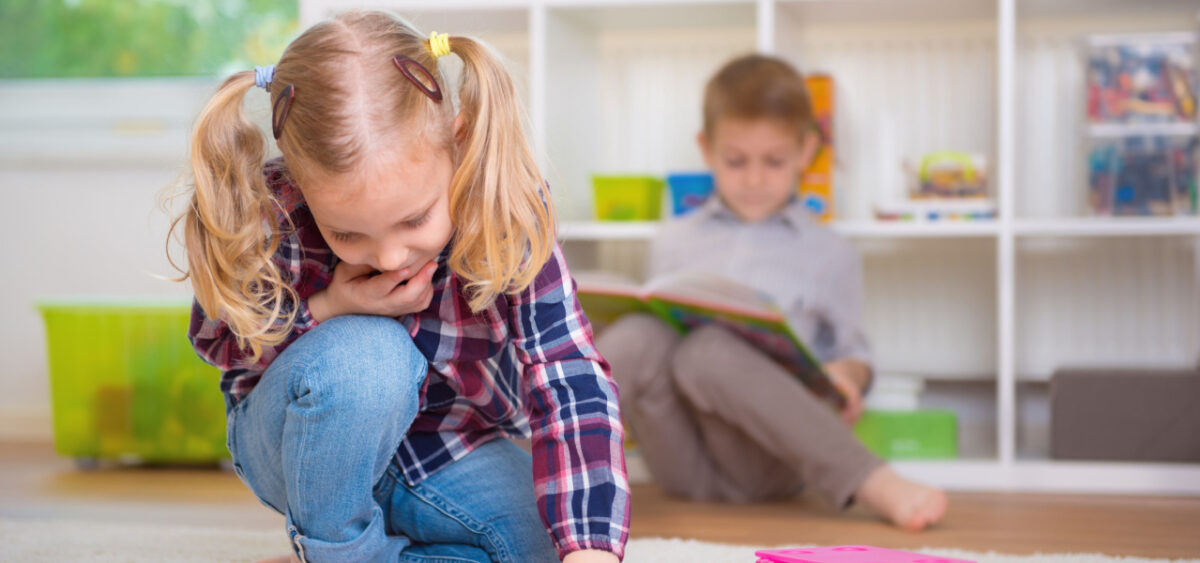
(360, 290)
(850, 377)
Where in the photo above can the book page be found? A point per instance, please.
(605, 296)
(691, 300)
(715, 292)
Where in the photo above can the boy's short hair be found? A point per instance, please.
(758, 87)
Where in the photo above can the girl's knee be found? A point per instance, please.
(364, 339)
(367, 359)
(520, 536)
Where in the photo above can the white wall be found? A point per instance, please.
(72, 232)
(81, 166)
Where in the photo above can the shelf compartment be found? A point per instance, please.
(1116, 302)
(931, 307)
(910, 78)
(623, 90)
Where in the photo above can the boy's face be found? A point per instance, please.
(756, 164)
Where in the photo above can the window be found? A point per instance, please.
(141, 38)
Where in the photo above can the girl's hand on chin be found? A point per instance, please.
(361, 290)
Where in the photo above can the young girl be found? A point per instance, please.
(716, 418)
(387, 303)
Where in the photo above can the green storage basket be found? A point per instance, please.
(126, 384)
(627, 198)
(918, 434)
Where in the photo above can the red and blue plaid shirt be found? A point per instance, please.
(525, 366)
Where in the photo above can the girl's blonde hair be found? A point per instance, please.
(758, 87)
(350, 99)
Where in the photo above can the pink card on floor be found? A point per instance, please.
(848, 554)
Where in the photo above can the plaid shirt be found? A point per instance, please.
(524, 366)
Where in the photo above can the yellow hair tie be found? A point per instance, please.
(439, 44)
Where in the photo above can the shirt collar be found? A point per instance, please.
(283, 187)
(794, 214)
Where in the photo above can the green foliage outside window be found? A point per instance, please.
(144, 38)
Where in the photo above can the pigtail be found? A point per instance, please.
(504, 229)
(229, 229)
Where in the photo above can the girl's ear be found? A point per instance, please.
(460, 134)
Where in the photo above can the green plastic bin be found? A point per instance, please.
(918, 434)
(627, 198)
(126, 384)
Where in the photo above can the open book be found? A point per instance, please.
(688, 300)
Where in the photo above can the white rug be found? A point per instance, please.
(79, 540)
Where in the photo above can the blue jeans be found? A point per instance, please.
(315, 441)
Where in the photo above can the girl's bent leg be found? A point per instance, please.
(479, 508)
(320, 429)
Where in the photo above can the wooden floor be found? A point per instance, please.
(35, 483)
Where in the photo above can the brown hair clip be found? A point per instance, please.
(406, 65)
(277, 115)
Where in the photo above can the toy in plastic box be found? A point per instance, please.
(1148, 78)
(1144, 176)
(689, 190)
(126, 385)
(627, 198)
(915, 434)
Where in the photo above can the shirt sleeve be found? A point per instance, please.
(216, 343)
(578, 456)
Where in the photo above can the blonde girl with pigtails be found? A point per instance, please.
(388, 305)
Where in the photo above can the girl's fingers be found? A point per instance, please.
(351, 271)
(421, 280)
(427, 295)
(384, 283)
(427, 270)
(416, 294)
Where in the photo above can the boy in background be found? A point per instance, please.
(716, 418)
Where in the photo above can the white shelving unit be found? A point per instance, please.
(643, 230)
(983, 311)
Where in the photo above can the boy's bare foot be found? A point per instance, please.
(289, 558)
(911, 506)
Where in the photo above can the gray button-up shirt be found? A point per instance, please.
(814, 275)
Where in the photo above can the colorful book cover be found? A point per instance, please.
(687, 301)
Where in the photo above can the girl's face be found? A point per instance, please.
(393, 213)
(756, 164)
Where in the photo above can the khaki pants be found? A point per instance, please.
(718, 420)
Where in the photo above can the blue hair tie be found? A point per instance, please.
(263, 76)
